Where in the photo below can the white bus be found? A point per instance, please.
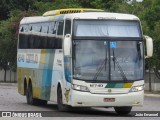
(82, 58)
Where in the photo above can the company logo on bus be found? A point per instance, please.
(109, 90)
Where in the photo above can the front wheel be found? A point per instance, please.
(123, 110)
(61, 106)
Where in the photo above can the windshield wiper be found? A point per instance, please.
(119, 67)
(100, 69)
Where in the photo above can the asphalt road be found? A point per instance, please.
(10, 100)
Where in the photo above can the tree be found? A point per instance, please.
(7, 6)
(8, 37)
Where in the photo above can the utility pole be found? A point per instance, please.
(150, 84)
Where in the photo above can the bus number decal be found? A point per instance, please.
(96, 85)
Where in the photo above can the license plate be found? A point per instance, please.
(109, 99)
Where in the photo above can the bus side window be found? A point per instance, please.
(30, 27)
(60, 28)
(51, 27)
(44, 32)
(31, 36)
(21, 29)
(23, 37)
(55, 28)
(45, 27)
(25, 40)
(36, 27)
(67, 27)
(25, 28)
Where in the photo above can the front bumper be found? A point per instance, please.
(86, 99)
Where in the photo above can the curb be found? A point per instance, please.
(152, 95)
(8, 84)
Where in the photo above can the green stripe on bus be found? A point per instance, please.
(110, 85)
(119, 85)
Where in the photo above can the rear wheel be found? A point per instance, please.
(29, 95)
(31, 100)
(61, 106)
(123, 110)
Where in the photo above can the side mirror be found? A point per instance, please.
(67, 45)
(149, 46)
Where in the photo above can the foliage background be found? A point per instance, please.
(12, 11)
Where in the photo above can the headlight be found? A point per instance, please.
(80, 88)
(137, 88)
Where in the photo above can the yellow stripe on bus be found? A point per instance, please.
(70, 10)
(127, 85)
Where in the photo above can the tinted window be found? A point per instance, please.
(60, 28)
(30, 43)
(23, 41)
(68, 27)
(30, 27)
(55, 28)
(35, 41)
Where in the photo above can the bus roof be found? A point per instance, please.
(86, 15)
(35, 19)
(102, 15)
(70, 10)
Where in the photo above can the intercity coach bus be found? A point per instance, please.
(83, 58)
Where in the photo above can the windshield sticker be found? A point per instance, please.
(113, 44)
(105, 43)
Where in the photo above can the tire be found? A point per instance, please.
(123, 110)
(31, 100)
(61, 106)
(29, 96)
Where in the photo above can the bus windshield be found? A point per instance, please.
(103, 60)
(106, 28)
(103, 50)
